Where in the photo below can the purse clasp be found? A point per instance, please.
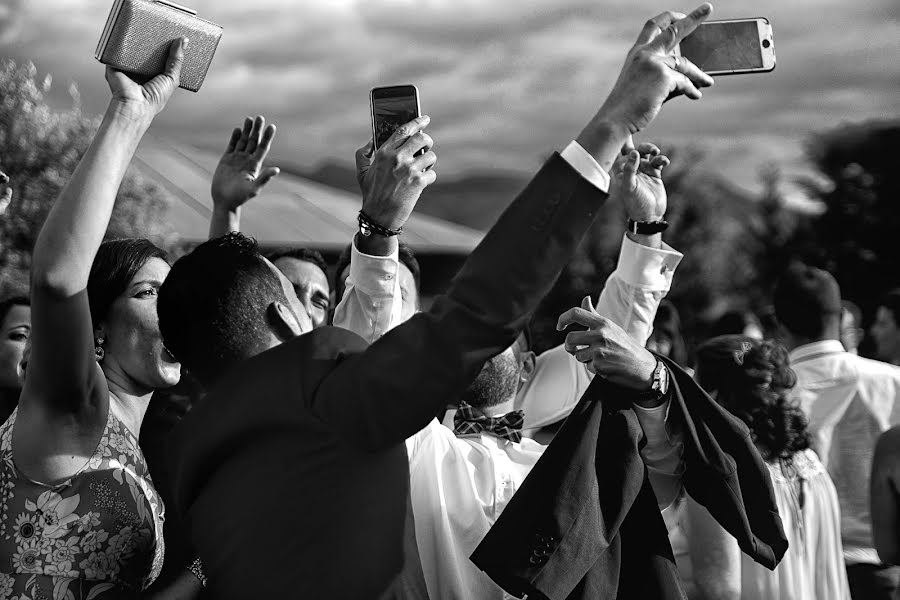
(176, 6)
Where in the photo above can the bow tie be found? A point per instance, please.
(468, 422)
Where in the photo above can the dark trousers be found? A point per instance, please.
(872, 582)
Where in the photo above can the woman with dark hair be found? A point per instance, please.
(79, 515)
(15, 329)
(752, 379)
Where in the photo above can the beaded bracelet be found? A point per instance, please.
(367, 225)
(197, 569)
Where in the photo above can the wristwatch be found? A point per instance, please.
(647, 227)
(659, 384)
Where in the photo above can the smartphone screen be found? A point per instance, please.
(725, 46)
(392, 107)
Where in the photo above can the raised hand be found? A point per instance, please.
(392, 178)
(606, 349)
(144, 101)
(637, 181)
(651, 74)
(240, 175)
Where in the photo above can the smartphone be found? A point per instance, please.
(392, 106)
(731, 47)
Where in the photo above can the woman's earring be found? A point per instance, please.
(99, 352)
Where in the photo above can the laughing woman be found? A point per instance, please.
(79, 516)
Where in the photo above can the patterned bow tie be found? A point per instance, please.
(468, 422)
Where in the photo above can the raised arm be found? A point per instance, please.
(240, 174)
(425, 363)
(391, 179)
(63, 376)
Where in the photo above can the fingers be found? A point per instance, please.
(406, 130)
(176, 60)
(364, 157)
(657, 25)
(266, 143)
(4, 178)
(679, 29)
(646, 148)
(692, 72)
(629, 170)
(660, 162)
(425, 162)
(416, 142)
(241, 145)
(686, 87)
(577, 340)
(579, 316)
(628, 146)
(253, 142)
(232, 143)
(267, 174)
(427, 178)
(588, 305)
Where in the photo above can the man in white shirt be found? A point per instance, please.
(460, 484)
(849, 401)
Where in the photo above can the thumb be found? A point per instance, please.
(267, 174)
(364, 157)
(629, 169)
(176, 59)
(588, 305)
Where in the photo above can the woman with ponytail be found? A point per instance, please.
(752, 380)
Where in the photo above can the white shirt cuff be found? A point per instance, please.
(646, 267)
(375, 276)
(582, 161)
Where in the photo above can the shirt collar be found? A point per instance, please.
(815, 349)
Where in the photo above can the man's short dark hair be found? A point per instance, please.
(213, 305)
(306, 254)
(406, 257)
(891, 301)
(806, 299)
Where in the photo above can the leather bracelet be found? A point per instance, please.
(368, 226)
(196, 568)
(647, 227)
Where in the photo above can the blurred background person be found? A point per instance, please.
(852, 332)
(885, 494)
(15, 329)
(307, 271)
(666, 337)
(849, 402)
(738, 322)
(885, 330)
(752, 380)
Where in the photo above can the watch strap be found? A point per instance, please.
(647, 227)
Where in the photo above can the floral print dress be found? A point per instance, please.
(96, 535)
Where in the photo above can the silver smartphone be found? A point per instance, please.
(731, 47)
(392, 106)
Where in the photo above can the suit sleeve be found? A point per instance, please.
(387, 393)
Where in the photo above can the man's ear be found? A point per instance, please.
(283, 321)
(528, 364)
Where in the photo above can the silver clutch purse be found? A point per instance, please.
(138, 34)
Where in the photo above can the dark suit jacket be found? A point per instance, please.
(293, 470)
(585, 523)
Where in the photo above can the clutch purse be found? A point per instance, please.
(138, 35)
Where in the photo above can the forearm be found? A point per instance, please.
(603, 138)
(78, 220)
(224, 221)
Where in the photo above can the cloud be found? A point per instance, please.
(505, 81)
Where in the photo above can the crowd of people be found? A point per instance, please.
(236, 425)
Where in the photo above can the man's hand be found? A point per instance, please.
(5, 192)
(393, 177)
(637, 181)
(142, 102)
(239, 175)
(650, 76)
(606, 349)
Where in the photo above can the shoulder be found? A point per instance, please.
(876, 368)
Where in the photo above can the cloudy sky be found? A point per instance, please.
(505, 81)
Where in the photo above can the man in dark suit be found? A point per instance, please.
(292, 470)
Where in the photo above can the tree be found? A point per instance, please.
(39, 149)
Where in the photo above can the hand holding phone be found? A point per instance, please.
(731, 47)
(392, 106)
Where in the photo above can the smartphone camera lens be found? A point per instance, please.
(766, 43)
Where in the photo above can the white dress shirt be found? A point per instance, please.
(460, 485)
(849, 401)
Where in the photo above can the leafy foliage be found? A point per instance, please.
(39, 149)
